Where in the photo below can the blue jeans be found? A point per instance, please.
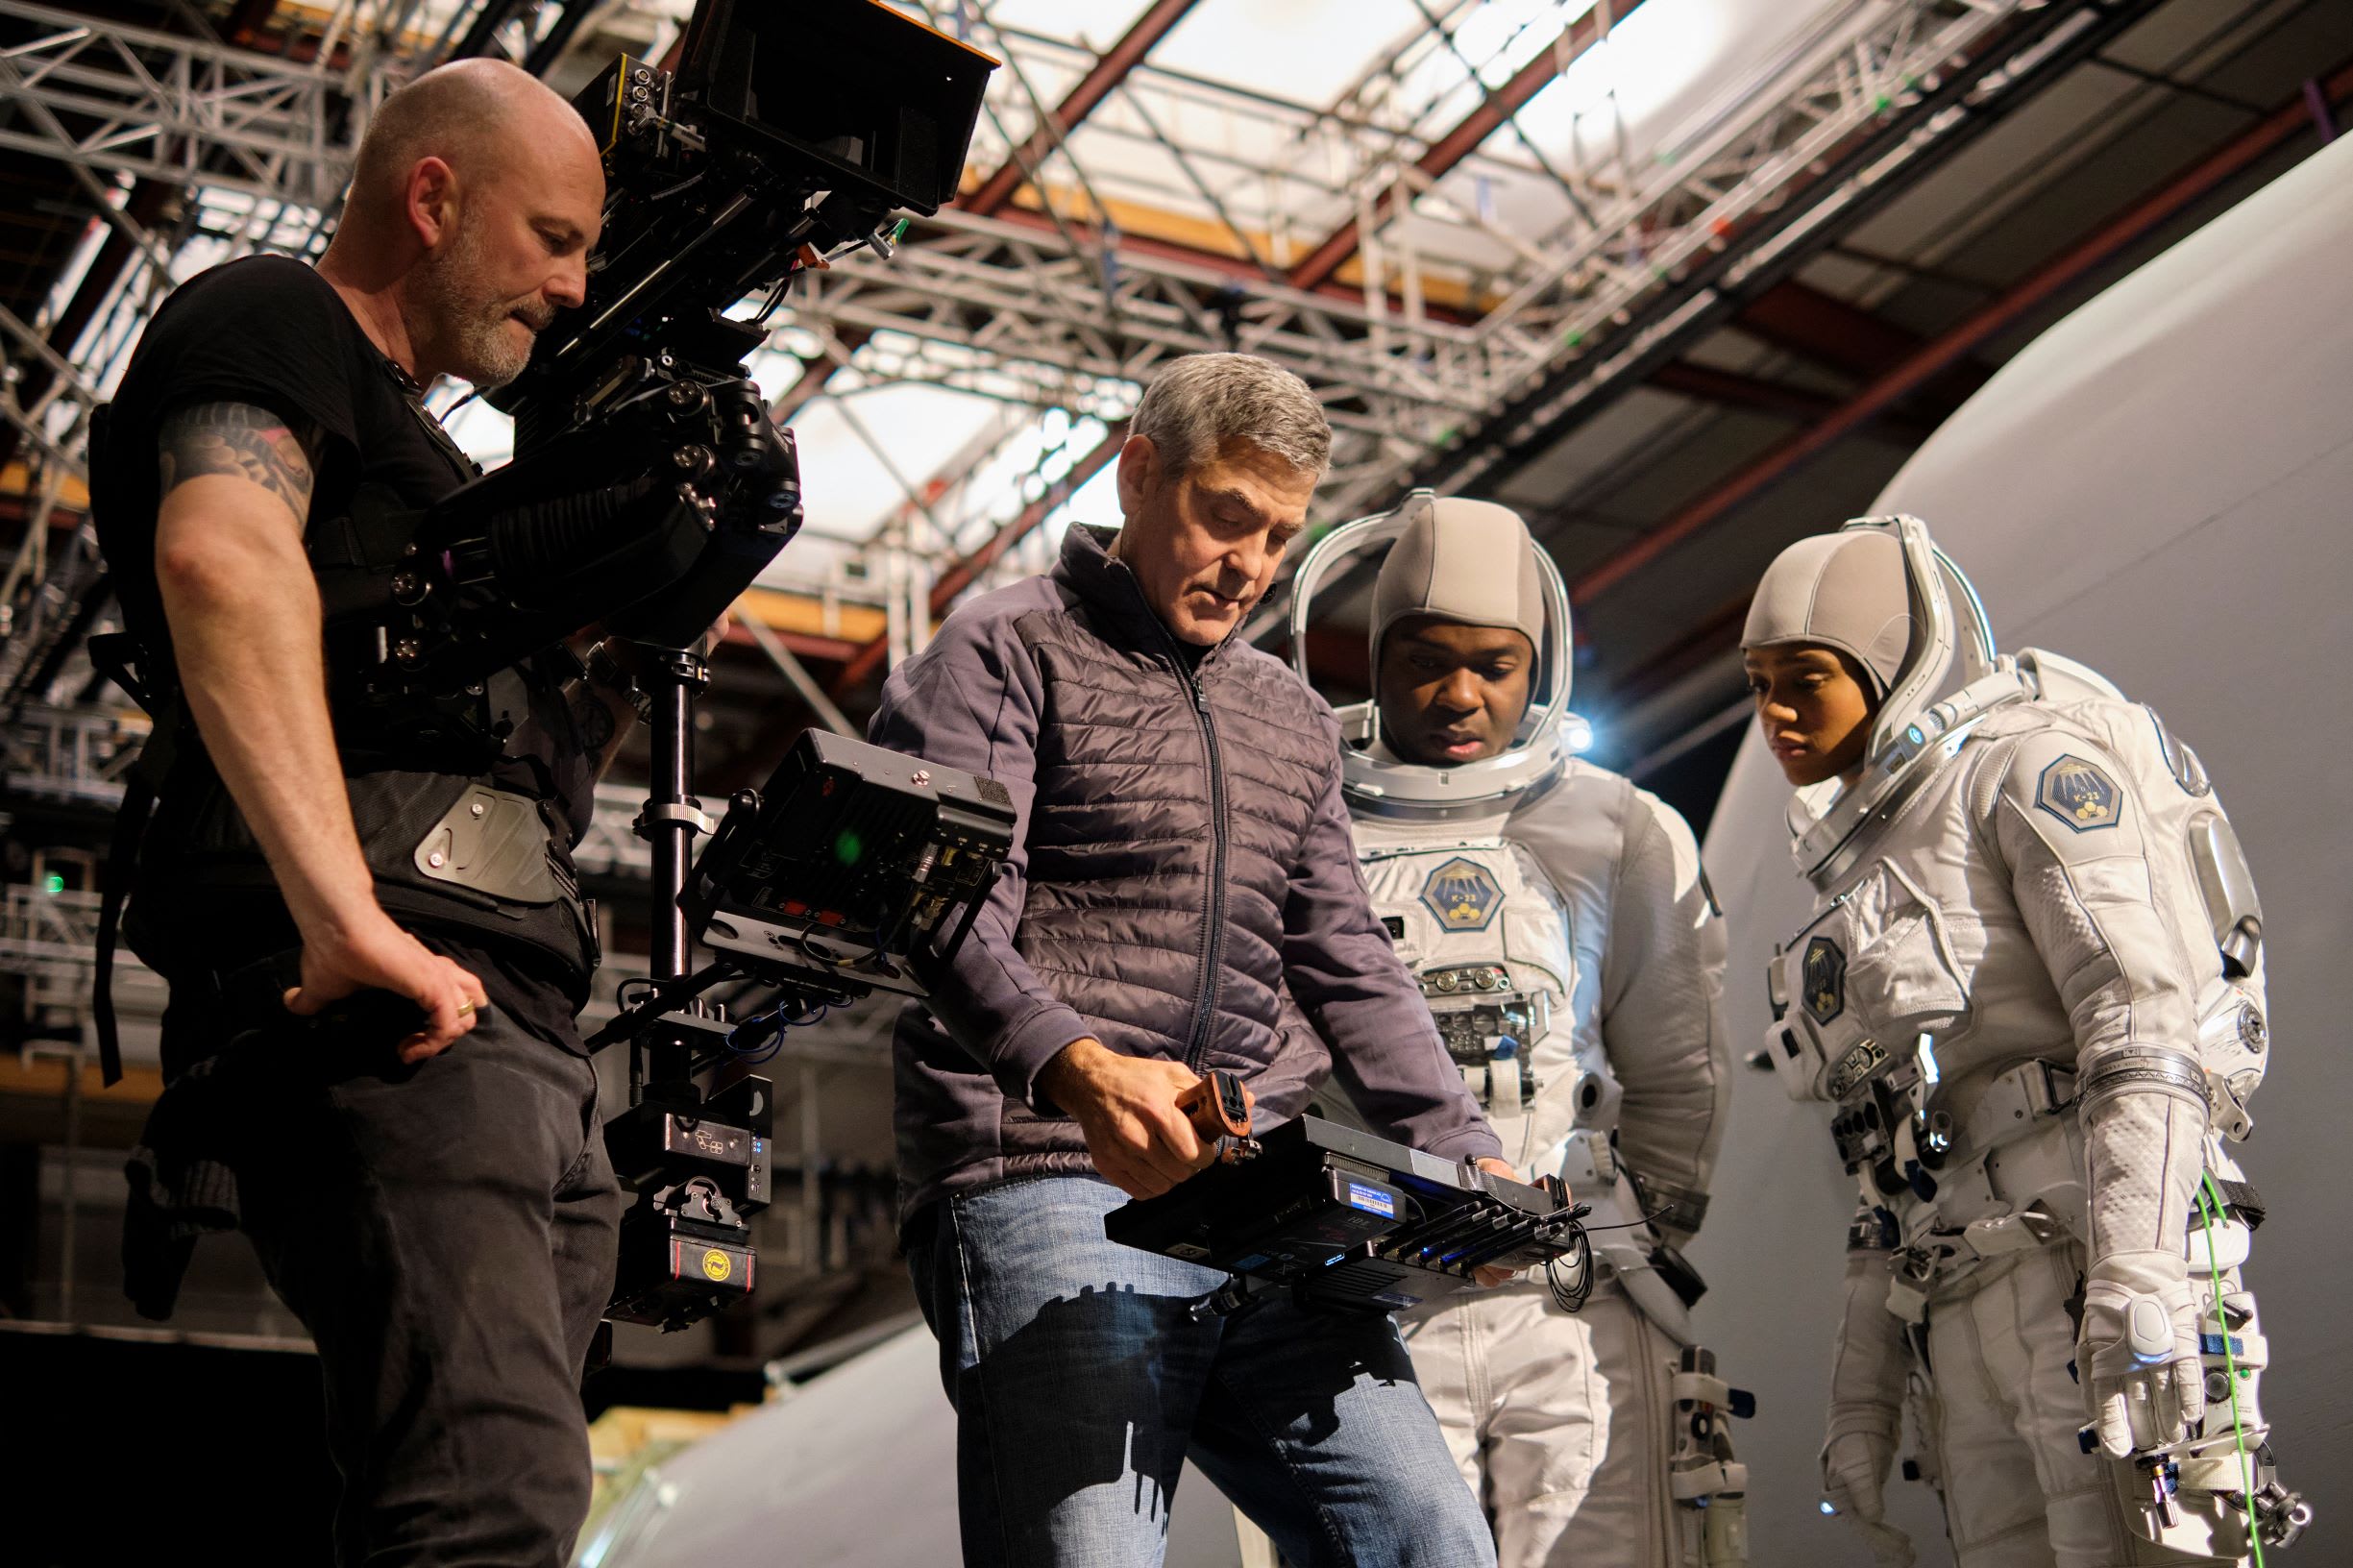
(1082, 1385)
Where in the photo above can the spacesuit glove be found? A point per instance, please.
(1870, 1372)
(1854, 1467)
(2137, 1352)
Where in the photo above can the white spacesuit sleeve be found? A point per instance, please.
(1662, 1013)
(2070, 827)
(1869, 1372)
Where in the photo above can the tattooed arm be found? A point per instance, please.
(603, 719)
(245, 622)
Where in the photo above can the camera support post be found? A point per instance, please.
(670, 822)
(646, 456)
(702, 1165)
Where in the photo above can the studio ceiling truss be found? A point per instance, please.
(1051, 305)
(115, 99)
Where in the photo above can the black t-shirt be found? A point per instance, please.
(270, 331)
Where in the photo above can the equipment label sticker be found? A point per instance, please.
(716, 1266)
(2079, 795)
(1463, 895)
(1371, 1199)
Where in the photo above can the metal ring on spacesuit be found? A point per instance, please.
(1907, 734)
(1927, 570)
(2145, 1068)
(1383, 527)
(1682, 1208)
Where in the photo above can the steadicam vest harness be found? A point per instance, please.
(448, 845)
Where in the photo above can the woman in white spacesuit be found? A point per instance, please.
(2032, 987)
(1557, 919)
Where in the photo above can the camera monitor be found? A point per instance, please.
(854, 867)
(854, 85)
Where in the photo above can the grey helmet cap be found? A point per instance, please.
(1844, 590)
(1471, 562)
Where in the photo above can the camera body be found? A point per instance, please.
(702, 1173)
(649, 487)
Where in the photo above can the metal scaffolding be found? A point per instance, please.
(110, 98)
(1335, 248)
(1119, 213)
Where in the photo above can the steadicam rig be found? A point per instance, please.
(650, 518)
(853, 871)
(650, 489)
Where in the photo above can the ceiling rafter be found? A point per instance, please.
(1107, 74)
(1924, 85)
(1949, 348)
(963, 574)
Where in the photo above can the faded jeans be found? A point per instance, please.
(1080, 1385)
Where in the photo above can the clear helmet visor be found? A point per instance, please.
(1540, 746)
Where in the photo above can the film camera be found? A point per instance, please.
(649, 488)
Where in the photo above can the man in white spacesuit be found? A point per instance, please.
(1558, 922)
(2033, 989)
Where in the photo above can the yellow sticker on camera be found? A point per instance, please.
(717, 1266)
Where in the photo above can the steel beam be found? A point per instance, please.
(1455, 145)
(1931, 359)
(1017, 310)
(1908, 86)
(1802, 320)
(963, 574)
(1097, 85)
(109, 97)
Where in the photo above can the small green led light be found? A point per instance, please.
(55, 883)
(847, 847)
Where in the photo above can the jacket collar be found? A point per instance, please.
(1087, 569)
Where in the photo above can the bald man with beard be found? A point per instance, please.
(422, 1176)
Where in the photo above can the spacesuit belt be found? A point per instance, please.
(1967, 1222)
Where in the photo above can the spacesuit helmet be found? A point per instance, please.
(1843, 591)
(1443, 563)
(1880, 592)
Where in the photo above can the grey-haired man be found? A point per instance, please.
(1182, 855)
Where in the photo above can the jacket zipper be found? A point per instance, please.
(1213, 932)
(1213, 944)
